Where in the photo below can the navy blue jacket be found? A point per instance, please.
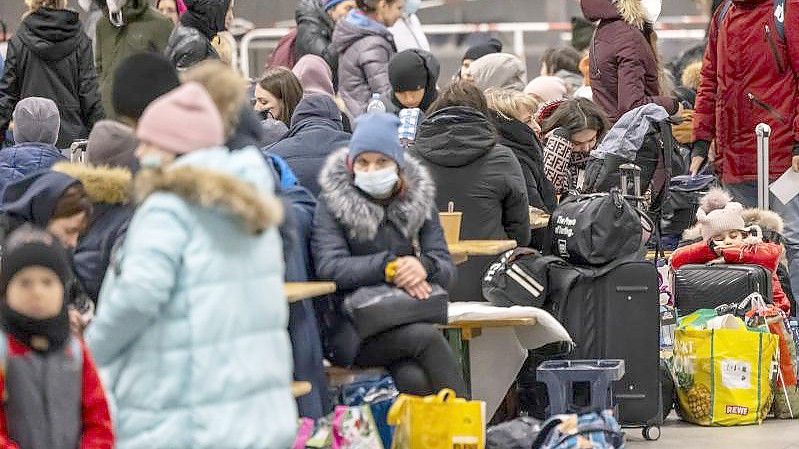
(20, 160)
(316, 132)
(109, 190)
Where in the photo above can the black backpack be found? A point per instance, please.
(518, 278)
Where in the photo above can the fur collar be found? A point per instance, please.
(363, 217)
(103, 184)
(632, 12)
(212, 190)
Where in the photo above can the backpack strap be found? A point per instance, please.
(724, 8)
(779, 17)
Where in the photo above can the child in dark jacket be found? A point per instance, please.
(52, 396)
(726, 237)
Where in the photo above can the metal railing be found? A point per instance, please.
(668, 28)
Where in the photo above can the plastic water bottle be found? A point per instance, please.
(375, 104)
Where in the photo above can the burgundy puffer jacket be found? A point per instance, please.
(749, 76)
(624, 71)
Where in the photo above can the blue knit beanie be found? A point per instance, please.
(331, 4)
(377, 132)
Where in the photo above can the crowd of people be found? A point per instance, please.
(141, 280)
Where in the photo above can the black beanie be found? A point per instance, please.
(476, 52)
(407, 71)
(140, 79)
(29, 246)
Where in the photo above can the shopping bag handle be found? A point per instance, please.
(446, 395)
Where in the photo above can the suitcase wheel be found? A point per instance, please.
(651, 433)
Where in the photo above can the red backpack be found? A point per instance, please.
(283, 55)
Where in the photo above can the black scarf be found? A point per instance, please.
(207, 16)
(44, 336)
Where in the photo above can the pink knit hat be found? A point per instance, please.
(182, 121)
(718, 213)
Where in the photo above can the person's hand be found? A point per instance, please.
(795, 164)
(410, 272)
(76, 324)
(420, 291)
(696, 165)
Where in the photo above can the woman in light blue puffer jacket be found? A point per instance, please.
(191, 327)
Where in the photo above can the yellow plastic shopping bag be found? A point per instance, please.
(440, 421)
(724, 375)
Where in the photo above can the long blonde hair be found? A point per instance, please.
(510, 104)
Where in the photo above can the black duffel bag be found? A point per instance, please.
(598, 229)
(379, 308)
(518, 278)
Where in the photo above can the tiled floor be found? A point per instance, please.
(773, 434)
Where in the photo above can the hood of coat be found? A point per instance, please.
(237, 184)
(766, 219)
(363, 217)
(500, 71)
(207, 16)
(517, 136)
(314, 75)
(52, 34)
(316, 110)
(631, 11)
(313, 10)
(33, 199)
(103, 184)
(455, 136)
(355, 27)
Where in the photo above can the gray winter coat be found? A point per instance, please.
(354, 238)
(365, 48)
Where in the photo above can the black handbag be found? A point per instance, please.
(685, 194)
(518, 278)
(598, 229)
(379, 308)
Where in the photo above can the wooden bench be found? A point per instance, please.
(338, 376)
(460, 333)
(539, 220)
(298, 291)
(300, 388)
(462, 250)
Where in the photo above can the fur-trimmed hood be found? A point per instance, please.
(221, 180)
(631, 11)
(363, 217)
(766, 219)
(103, 184)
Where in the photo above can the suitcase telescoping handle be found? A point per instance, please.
(763, 132)
(633, 170)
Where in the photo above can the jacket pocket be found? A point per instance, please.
(773, 112)
(772, 45)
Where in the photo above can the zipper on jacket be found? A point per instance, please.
(761, 104)
(773, 47)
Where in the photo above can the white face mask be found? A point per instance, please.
(378, 184)
(652, 9)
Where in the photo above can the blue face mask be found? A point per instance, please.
(378, 184)
(411, 6)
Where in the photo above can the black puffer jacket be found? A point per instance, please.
(190, 43)
(354, 238)
(483, 179)
(51, 57)
(315, 33)
(187, 47)
(521, 139)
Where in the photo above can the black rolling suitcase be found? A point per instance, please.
(709, 286)
(617, 316)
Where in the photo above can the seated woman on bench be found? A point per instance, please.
(375, 212)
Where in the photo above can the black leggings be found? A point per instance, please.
(418, 358)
